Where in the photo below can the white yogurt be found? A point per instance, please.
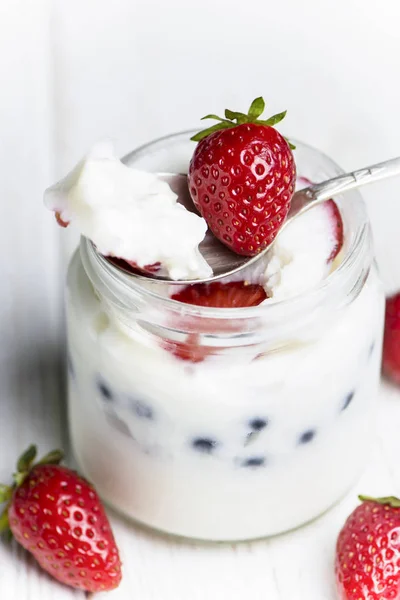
(212, 451)
(299, 258)
(130, 214)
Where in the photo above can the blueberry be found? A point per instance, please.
(105, 390)
(206, 445)
(347, 401)
(142, 410)
(258, 424)
(116, 422)
(254, 461)
(307, 436)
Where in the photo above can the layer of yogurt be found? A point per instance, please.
(218, 451)
(132, 214)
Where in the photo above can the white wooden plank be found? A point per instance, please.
(30, 316)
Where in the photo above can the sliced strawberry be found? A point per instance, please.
(132, 266)
(334, 215)
(154, 268)
(60, 221)
(337, 228)
(391, 345)
(236, 294)
(190, 350)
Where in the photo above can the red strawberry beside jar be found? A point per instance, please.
(57, 516)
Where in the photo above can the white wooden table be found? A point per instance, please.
(294, 566)
(75, 71)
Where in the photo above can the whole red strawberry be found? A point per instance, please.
(391, 344)
(368, 552)
(242, 177)
(57, 516)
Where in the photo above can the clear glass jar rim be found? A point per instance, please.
(103, 274)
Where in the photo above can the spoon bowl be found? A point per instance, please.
(223, 261)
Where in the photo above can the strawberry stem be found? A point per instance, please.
(4, 522)
(233, 119)
(5, 493)
(26, 459)
(52, 458)
(389, 500)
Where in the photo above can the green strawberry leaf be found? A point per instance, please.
(234, 118)
(52, 458)
(6, 492)
(25, 461)
(4, 522)
(274, 119)
(256, 109)
(238, 116)
(390, 500)
(19, 477)
(202, 134)
(212, 117)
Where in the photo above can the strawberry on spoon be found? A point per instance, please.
(57, 516)
(220, 255)
(242, 177)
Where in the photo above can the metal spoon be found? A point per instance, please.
(223, 261)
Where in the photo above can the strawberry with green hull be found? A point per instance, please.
(368, 551)
(57, 516)
(242, 177)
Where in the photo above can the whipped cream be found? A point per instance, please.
(130, 214)
(299, 259)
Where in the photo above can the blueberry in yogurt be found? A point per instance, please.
(105, 390)
(258, 424)
(204, 444)
(254, 462)
(307, 436)
(347, 400)
(142, 409)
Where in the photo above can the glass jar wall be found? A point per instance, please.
(224, 424)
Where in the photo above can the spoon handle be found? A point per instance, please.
(314, 194)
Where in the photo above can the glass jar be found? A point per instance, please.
(224, 424)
